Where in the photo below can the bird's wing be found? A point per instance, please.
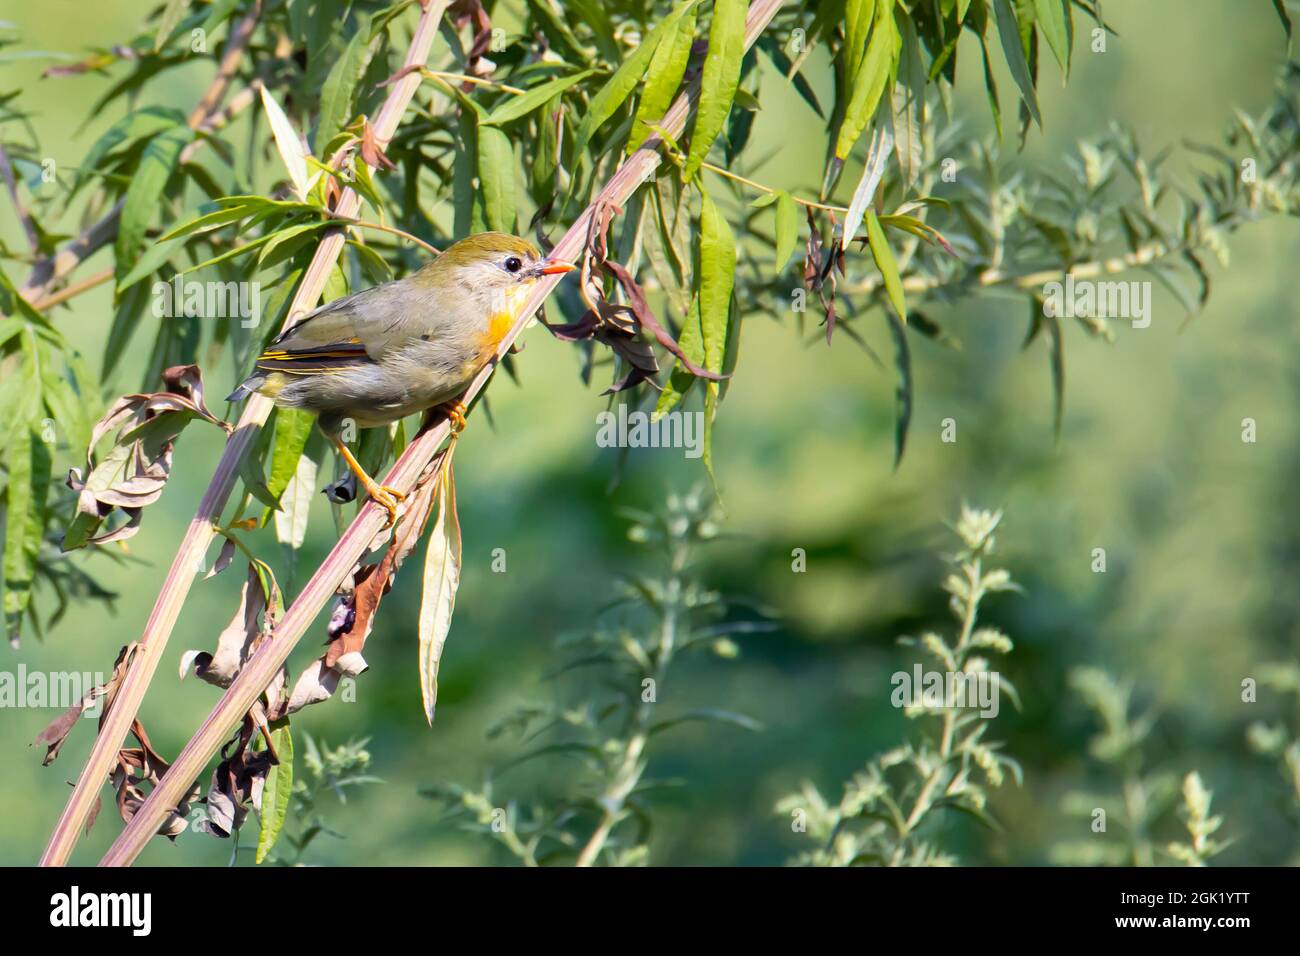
(354, 330)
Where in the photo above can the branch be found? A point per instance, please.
(199, 535)
(272, 655)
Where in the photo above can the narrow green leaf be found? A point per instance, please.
(720, 78)
(520, 106)
(870, 80)
(157, 164)
(496, 173)
(903, 393)
(664, 76)
(882, 141)
(717, 277)
(292, 429)
(1057, 358)
(620, 86)
(691, 342)
(1054, 20)
(1285, 17)
(1009, 34)
(339, 91)
(884, 257)
(289, 144)
(171, 16)
(991, 90)
(858, 16)
(276, 793)
(787, 228)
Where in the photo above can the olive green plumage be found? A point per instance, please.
(407, 345)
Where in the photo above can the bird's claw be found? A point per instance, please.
(388, 499)
(456, 417)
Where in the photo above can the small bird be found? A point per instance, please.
(403, 346)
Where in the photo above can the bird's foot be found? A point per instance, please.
(456, 412)
(387, 498)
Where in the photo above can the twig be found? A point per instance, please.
(75, 289)
(394, 231)
(768, 189)
(199, 535)
(271, 656)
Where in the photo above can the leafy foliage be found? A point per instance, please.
(603, 814)
(174, 197)
(889, 811)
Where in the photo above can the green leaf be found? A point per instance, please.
(882, 141)
(288, 143)
(209, 220)
(858, 15)
(691, 342)
(157, 164)
(292, 429)
(909, 106)
(1280, 7)
(620, 86)
(884, 257)
(28, 461)
(171, 16)
(136, 125)
(520, 106)
(787, 228)
(870, 80)
(340, 87)
(717, 277)
(991, 90)
(1009, 34)
(277, 792)
(1055, 21)
(721, 77)
(667, 67)
(1057, 357)
(903, 393)
(496, 173)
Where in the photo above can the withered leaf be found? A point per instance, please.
(441, 581)
(132, 475)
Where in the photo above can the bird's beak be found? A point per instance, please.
(554, 267)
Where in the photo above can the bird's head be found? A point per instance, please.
(491, 264)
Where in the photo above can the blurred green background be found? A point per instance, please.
(1200, 529)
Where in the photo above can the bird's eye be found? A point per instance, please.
(514, 264)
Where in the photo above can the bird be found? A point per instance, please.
(403, 346)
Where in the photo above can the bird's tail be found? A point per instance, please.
(247, 387)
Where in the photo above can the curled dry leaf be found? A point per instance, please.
(441, 581)
(56, 732)
(141, 765)
(239, 778)
(132, 475)
(133, 766)
(247, 630)
(619, 326)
